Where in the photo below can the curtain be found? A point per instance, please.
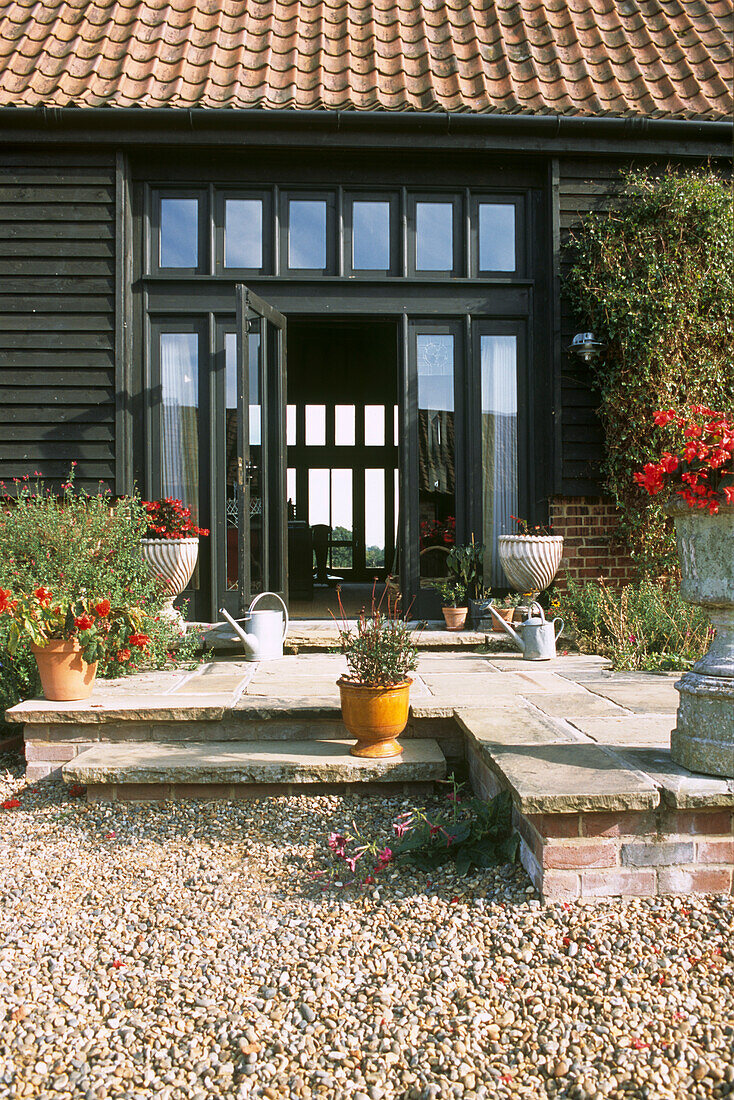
(499, 447)
(180, 417)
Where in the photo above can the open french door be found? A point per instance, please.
(262, 520)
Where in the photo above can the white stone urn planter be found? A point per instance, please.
(173, 562)
(703, 740)
(530, 562)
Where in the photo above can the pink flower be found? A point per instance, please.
(401, 827)
(337, 843)
(352, 861)
(384, 857)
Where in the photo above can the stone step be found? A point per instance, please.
(153, 770)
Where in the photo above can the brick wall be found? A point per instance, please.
(588, 526)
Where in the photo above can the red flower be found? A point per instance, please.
(84, 622)
(140, 640)
(123, 655)
(11, 804)
(42, 595)
(76, 790)
(103, 608)
(6, 604)
(728, 492)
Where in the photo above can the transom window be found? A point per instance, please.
(359, 234)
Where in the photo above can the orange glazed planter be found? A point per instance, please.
(65, 675)
(375, 715)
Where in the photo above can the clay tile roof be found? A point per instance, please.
(656, 58)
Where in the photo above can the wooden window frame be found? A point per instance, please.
(204, 224)
(221, 196)
(393, 200)
(458, 221)
(328, 196)
(518, 201)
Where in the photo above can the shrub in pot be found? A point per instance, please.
(170, 549)
(68, 637)
(453, 604)
(375, 693)
(698, 466)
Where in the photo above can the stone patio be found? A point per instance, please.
(601, 808)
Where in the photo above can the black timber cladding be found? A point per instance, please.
(57, 317)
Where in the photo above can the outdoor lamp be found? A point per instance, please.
(585, 346)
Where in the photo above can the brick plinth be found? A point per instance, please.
(590, 549)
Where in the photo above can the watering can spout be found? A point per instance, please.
(250, 641)
(507, 628)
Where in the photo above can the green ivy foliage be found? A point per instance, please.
(653, 278)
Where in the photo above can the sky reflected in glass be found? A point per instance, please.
(434, 236)
(496, 236)
(307, 234)
(370, 236)
(243, 233)
(179, 233)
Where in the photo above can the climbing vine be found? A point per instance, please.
(653, 277)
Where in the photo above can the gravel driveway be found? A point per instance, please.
(186, 951)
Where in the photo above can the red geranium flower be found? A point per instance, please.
(84, 622)
(6, 604)
(140, 640)
(123, 655)
(11, 804)
(103, 608)
(42, 595)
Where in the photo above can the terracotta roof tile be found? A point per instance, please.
(662, 58)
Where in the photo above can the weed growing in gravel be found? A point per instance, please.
(473, 833)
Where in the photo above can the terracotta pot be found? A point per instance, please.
(530, 562)
(65, 675)
(506, 613)
(173, 562)
(455, 617)
(375, 716)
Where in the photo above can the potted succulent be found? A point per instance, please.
(68, 637)
(453, 603)
(698, 467)
(531, 557)
(375, 692)
(170, 549)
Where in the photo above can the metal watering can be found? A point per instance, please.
(264, 632)
(538, 642)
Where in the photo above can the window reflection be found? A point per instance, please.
(232, 455)
(370, 236)
(496, 236)
(436, 451)
(243, 233)
(434, 236)
(499, 446)
(344, 424)
(179, 243)
(307, 234)
(374, 425)
(315, 425)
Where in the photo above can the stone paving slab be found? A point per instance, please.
(680, 789)
(574, 704)
(458, 685)
(514, 724)
(569, 666)
(251, 762)
(657, 696)
(636, 731)
(131, 708)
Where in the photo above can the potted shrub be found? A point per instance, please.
(453, 604)
(170, 549)
(69, 637)
(698, 466)
(466, 565)
(375, 692)
(531, 557)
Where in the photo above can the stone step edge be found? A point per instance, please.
(269, 762)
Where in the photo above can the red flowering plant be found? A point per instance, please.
(168, 519)
(98, 627)
(438, 533)
(698, 461)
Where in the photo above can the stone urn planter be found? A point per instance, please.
(703, 740)
(375, 716)
(173, 562)
(530, 562)
(65, 675)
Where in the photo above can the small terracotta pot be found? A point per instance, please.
(506, 613)
(65, 675)
(455, 617)
(375, 716)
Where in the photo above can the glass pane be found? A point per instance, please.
(315, 425)
(243, 233)
(179, 419)
(179, 244)
(396, 425)
(344, 425)
(319, 497)
(232, 455)
(374, 425)
(342, 518)
(374, 518)
(370, 236)
(496, 236)
(437, 482)
(291, 491)
(434, 236)
(307, 234)
(290, 425)
(499, 447)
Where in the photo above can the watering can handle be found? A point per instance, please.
(559, 628)
(285, 609)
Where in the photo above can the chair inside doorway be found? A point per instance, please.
(342, 431)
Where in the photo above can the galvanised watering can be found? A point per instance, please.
(538, 642)
(267, 630)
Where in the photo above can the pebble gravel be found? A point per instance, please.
(186, 951)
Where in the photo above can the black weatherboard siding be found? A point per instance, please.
(57, 317)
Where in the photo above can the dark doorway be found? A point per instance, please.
(342, 480)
